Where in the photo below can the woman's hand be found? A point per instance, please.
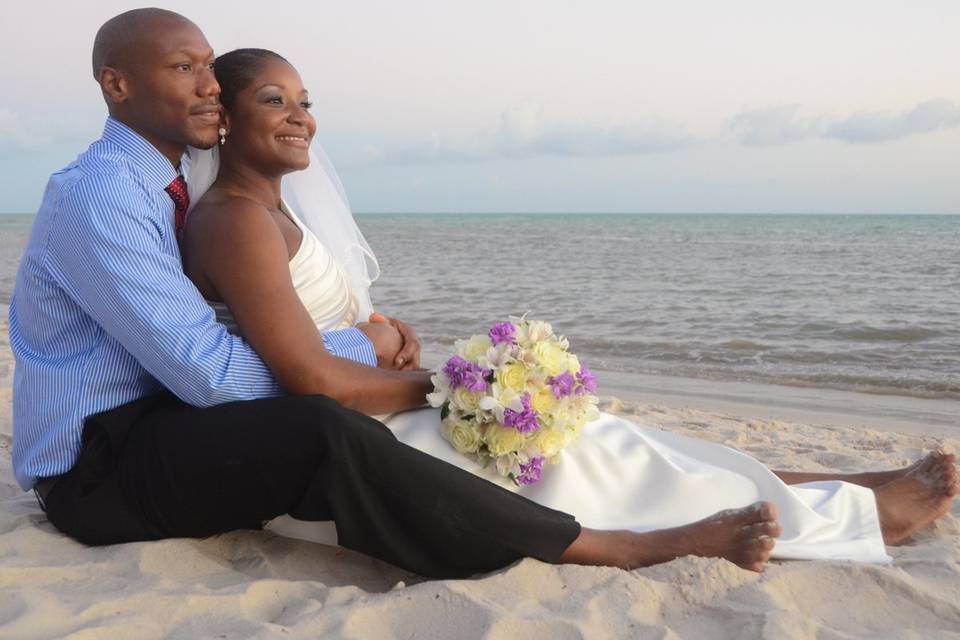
(408, 357)
(387, 342)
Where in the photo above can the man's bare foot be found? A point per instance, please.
(743, 536)
(922, 494)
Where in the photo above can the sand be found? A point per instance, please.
(259, 585)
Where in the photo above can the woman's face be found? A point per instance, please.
(270, 125)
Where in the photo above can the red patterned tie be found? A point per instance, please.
(181, 200)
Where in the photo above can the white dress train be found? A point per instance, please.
(619, 475)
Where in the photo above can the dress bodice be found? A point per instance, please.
(318, 280)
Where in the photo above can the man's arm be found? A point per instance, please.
(106, 251)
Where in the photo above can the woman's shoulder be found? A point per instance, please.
(226, 212)
(227, 227)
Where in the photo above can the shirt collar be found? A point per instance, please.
(147, 159)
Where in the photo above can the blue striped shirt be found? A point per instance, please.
(102, 313)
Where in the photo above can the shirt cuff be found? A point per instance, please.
(352, 344)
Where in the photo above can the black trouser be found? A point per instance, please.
(158, 468)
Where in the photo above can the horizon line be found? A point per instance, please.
(621, 213)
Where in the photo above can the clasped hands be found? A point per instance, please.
(394, 342)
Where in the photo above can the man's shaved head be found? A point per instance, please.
(155, 70)
(120, 40)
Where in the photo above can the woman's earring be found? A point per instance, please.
(223, 135)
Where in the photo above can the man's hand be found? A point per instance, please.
(408, 358)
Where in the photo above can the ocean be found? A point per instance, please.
(867, 303)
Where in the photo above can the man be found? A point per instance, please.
(137, 417)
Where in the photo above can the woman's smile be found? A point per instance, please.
(297, 141)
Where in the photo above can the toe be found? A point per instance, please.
(767, 543)
(768, 528)
(767, 510)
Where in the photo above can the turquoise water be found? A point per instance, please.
(860, 302)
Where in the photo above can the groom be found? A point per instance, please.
(138, 417)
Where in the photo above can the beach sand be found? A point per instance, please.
(258, 585)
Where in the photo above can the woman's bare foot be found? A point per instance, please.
(868, 479)
(922, 494)
(742, 536)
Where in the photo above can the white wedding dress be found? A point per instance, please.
(618, 475)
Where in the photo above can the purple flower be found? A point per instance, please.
(502, 333)
(466, 374)
(455, 369)
(588, 382)
(475, 379)
(530, 472)
(523, 421)
(562, 384)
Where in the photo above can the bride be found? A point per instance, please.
(279, 268)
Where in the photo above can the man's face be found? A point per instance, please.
(172, 92)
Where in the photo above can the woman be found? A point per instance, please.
(268, 276)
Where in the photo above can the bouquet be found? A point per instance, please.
(514, 396)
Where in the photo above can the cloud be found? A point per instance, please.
(880, 126)
(775, 125)
(15, 132)
(525, 131)
(784, 124)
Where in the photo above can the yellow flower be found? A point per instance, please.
(501, 440)
(573, 364)
(551, 442)
(544, 401)
(464, 437)
(551, 356)
(467, 401)
(513, 376)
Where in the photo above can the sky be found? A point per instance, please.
(559, 106)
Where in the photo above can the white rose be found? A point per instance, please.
(464, 437)
(551, 442)
(513, 376)
(468, 401)
(503, 440)
(551, 356)
(544, 400)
